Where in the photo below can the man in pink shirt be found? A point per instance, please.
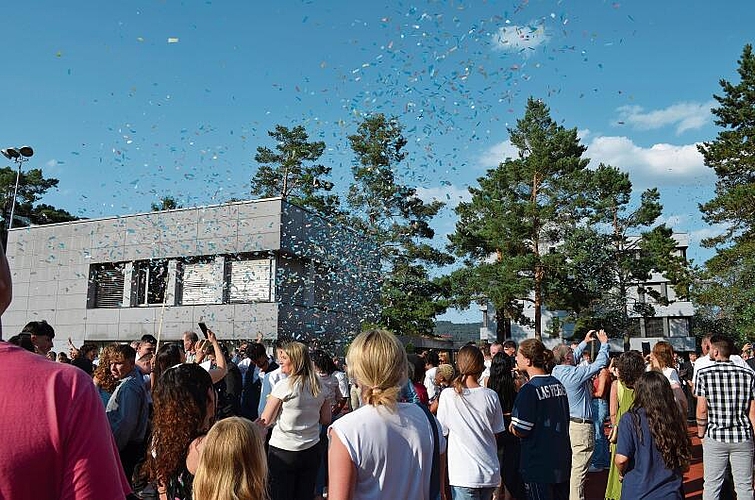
(56, 439)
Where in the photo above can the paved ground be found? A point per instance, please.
(693, 480)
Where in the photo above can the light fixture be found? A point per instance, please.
(18, 155)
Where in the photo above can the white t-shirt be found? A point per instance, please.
(471, 421)
(298, 426)
(704, 361)
(430, 381)
(672, 376)
(343, 383)
(375, 437)
(269, 380)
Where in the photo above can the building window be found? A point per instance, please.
(654, 327)
(106, 285)
(633, 328)
(678, 327)
(149, 282)
(201, 283)
(250, 280)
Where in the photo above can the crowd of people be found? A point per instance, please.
(193, 420)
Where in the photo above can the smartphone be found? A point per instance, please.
(203, 327)
(645, 348)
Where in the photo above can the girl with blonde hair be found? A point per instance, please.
(471, 416)
(232, 465)
(364, 441)
(296, 406)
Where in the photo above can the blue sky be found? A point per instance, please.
(125, 102)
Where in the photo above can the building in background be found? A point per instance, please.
(670, 323)
(247, 268)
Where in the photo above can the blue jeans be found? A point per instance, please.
(462, 493)
(601, 457)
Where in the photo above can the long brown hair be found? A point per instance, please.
(652, 393)
(103, 378)
(181, 406)
(469, 361)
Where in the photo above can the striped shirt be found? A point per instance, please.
(729, 389)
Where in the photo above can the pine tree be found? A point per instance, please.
(730, 276)
(508, 233)
(604, 271)
(292, 171)
(398, 221)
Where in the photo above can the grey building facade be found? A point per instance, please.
(257, 267)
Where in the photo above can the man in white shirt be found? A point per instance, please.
(706, 360)
(431, 368)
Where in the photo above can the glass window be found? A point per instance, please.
(106, 285)
(201, 283)
(250, 280)
(654, 327)
(150, 280)
(678, 327)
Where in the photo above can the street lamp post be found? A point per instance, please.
(18, 155)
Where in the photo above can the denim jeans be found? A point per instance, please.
(462, 493)
(601, 457)
(716, 456)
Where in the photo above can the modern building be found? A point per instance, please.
(256, 267)
(671, 322)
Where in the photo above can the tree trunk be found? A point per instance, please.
(502, 326)
(538, 301)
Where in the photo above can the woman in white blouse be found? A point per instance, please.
(296, 406)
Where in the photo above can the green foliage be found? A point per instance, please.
(398, 221)
(167, 202)
(728, 285)
(292, 171)
(32, 186)
(603, 266)
(508, 232)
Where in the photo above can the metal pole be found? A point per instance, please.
(15, 193)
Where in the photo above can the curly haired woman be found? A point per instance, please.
(653, 450)
(103, 379)
(184, 403)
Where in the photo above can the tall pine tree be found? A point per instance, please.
(398, 221)
(293, 172)
(604, 271)
(509, 232)
(730, 283)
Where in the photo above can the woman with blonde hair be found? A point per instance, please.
(471, 416)
(232, 465)
(383, 430)
(296, 406)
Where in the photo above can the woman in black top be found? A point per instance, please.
(502, 381)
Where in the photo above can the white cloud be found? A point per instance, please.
(660, 164)
(522, 39)
(497, 153)
(684, 116)
(449, 194)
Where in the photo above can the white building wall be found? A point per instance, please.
(50, 266)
